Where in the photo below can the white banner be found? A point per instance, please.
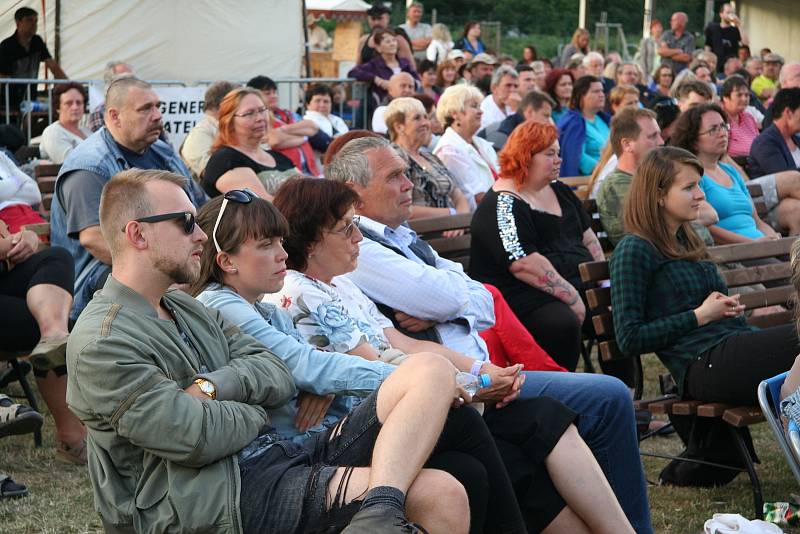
(181, 108)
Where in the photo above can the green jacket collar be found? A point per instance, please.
(118, 292)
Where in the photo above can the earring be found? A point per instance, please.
(234, 270)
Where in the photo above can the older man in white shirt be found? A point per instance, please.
(504, 98)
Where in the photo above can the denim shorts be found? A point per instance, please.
(285, 489)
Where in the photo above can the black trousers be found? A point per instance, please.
(18, 328)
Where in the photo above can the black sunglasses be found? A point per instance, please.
(185, 216)
(242, 196)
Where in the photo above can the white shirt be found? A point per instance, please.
(196, 146)
(444, 293)
(470, 164)
(610, 165)
(378, 124)
(437, 51)
(327, 123)
(492, 112)
(796, 156)
(16, 187)
(57, 142)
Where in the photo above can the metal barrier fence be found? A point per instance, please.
(290, 90)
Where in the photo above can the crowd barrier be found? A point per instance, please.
(19, 106)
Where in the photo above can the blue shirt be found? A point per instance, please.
(597, 133)
(313, 370)
(733, 204)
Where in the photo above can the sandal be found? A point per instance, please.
(50, 353)
(10, 489)
(74, 453)
(17, 418)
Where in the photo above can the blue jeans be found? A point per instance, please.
(608, 426)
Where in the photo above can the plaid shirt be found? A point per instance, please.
(654, 297)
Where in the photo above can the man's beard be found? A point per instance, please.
(178, 273)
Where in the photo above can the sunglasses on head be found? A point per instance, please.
(186, 219)
(242, 196)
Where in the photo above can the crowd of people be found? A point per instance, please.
(259, 296)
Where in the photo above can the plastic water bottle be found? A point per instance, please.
(26, 106)
(472, 383)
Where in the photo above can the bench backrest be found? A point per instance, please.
(46, 176)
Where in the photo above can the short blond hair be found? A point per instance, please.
(396, 113)
(454, 100)
(125, 198)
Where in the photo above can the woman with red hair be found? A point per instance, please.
(529, 234)
(237, 159)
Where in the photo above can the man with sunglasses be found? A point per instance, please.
(129, 139)
(175, 401)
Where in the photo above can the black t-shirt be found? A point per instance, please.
(505, 228)
(228, 158)
(724, 42)
(17, 62)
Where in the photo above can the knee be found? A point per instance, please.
(440, 496)
(429, 366)
(611, 393)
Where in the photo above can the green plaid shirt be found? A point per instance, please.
(610, 199)
(654, 297)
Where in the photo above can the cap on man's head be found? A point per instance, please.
(377, 11)
(484, 58)
(773, 58)
(455, 54)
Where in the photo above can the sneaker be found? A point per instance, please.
(381, 519)
(17, 418)
(50, 353)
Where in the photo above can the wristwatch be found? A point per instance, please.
(207, 387)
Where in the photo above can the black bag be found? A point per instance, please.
(710, 440)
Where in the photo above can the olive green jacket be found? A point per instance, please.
(160, 459)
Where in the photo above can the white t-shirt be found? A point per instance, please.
(610, 165)
(378, 124)
(327, 123)
(796, 156)
(492, 113)
(57, 142)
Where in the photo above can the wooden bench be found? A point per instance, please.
(579, 185)
(46, 176)
(737, 417)
(453, 248)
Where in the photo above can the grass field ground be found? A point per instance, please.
(60, 500)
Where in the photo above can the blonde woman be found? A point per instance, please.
(471, 160)
(441, 44)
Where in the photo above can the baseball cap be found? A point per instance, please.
(773, 58)
(455, 54)
(483, 57)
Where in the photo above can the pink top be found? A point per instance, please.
(744, 130)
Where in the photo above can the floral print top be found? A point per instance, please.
(336, 317)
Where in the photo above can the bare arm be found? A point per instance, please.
(592, 244)
(92, 240)
(765, 229)
(726, 237)
(537, 271)
(304, 127)
(242, 178)
(421, 44)
(56, 68)
(459, 201)
(707, 215)
(278, 138)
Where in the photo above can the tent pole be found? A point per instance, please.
(57, 45)
(582, 14)
(648, 17)
(307, 54)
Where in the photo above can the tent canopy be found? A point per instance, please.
(189, 41)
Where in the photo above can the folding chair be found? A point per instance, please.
(769, 398)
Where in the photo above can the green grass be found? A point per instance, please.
(60, 500)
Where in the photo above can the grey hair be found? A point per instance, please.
(108, 72)
(118, 89)
(215, 93)
(351, 164)
(501, 71)
(593, 55)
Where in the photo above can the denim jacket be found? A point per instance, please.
(100, 154)
(313, 370)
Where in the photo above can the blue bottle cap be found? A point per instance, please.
(484, 381)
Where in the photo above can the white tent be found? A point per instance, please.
(184, 40)
(337, 5)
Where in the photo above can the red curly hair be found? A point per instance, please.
(227, 108)
(527, 140)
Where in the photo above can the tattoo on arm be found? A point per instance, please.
(594, 248)
(552, 284)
